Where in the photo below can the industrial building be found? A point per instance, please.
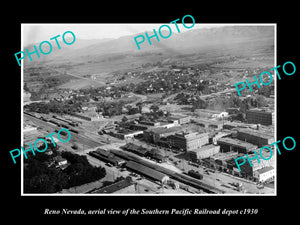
(139, 150)
(206, 113)
(203, 152)
(223, 161)
(150, 123)
(188, 141)
(133, 117)
(216, 124)
(180, 119)
(229, 144)
(264, 174)
(147, 172)
(124, 134)
(256, 137)
(247, 170)
(260, 116)
(215, 137)
(155, 134)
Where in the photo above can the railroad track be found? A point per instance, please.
(176, 176)
(77, 137)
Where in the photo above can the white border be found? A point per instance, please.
(157, 195)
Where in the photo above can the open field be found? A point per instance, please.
(80, 84)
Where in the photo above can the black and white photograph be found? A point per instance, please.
(134, 116)
(149, 109)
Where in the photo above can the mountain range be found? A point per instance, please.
(238, 40)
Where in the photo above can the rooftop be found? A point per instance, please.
(163, 130)
(237, 143)
(103, 152)
(209, 111)
(205, 121)
(226, 155)
(146, 171)
(177, 116)
(265, 169)
(115, 186)
(190, 135)
(203, 148)
(256, 133)
(261, 110)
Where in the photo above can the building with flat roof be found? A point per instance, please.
(203, 152)
(221, 160)
(150, 123)
(229, 144)
(155, 134)
(133, 117)
(124, 133)
(260, 116)
(216, 124)
(248, 170)
(182, 119)
(256, 137)
(264, 174)
(206, 113)
(134, 126)
(188, 141)
(215, 137)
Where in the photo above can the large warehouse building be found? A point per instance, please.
(261, 116)
(259, 138)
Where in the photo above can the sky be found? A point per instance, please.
(36, 33)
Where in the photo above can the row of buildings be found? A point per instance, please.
(215, 142)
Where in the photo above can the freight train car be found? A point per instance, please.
(195, 174)
(72, 123)
(54, 122)
(74, 130)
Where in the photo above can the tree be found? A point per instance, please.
(140, 106)
(154, 108)
(199, 104)
(168, 114)
(261, 101)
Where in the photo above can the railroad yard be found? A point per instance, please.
(174, 167)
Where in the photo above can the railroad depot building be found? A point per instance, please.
(147, 172)
(107, 156)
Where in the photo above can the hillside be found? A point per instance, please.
(249, 45)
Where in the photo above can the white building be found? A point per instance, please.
(264, 174)
(204, 152)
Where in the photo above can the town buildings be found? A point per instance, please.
(229, 144)
(203, 152)
(256, 137)
(260, 116)
(188, 141)
(264, 174)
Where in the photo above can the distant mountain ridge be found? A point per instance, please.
(192, 40)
